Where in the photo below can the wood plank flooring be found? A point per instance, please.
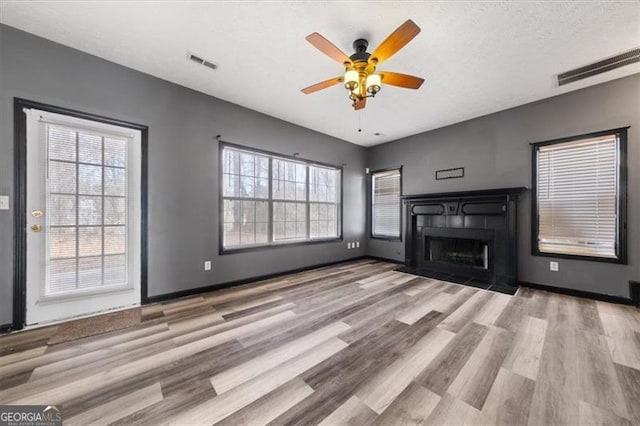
(355, 343)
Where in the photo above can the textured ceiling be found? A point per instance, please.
(476, 57)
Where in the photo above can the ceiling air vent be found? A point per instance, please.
(199, 60)
(599, 67)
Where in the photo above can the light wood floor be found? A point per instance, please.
(357, 343)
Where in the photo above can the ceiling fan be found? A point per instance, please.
(360, 77)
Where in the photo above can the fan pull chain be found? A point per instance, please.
(360, 121)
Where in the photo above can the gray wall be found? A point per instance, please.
(183, 194)
(495, 152)
(183, 162)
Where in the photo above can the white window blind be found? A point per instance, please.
(86, 210)
(385, 205)
(577, 195)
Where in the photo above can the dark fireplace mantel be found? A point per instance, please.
(469, 237)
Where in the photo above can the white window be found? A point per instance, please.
(268, 199)
(385, 203)
(579, 192)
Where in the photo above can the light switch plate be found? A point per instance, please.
(4, 202)
(207, 265)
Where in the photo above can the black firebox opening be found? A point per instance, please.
(457, 251)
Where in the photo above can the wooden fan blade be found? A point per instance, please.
(360, 104)
(328, 48)
(396, 41)
(401, 80)
(321, 85)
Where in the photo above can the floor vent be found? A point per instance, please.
(199, 60)
(599, 67)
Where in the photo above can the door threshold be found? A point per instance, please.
(91, 324)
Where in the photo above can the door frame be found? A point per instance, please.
(20, 198)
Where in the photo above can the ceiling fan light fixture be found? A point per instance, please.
(373, 83)
(360, 78)
(351, 79)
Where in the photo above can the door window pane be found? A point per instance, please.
(62, 242)
(89, 179)
(90, 148)
(62, 177)
(115, 211)
(114, 239)
(86, 214)
(114, 181)
(89, 272)
(115, 270)
(90, 241)
(61, 210)
(62, 275)
(89, 210)
(115, 152)
(61, 143)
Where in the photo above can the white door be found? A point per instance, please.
(83, 217)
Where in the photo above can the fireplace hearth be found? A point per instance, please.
(464, 237)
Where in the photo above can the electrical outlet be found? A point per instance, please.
(553, 266)
(207, 265)
(4, 202)
(348, 246)
(357, 244)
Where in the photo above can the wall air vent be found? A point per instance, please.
(197, 59)
(599, 67)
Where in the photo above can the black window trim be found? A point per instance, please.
(280, 244)
(621, 234)
(370, 205)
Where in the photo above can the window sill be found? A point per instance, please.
(224, 251)
(385, 238)
(619, 261)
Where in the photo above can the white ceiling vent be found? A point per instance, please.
(617, 61)
(198, 59)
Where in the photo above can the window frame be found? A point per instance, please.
(371, 196)
(270, 200)
(621, 196)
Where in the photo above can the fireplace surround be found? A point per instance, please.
(465, 237)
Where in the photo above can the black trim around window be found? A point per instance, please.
(20, 199)
(621, 234)
(271, 245)
(370, 206)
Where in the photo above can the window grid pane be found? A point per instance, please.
(245, 175)
(298, 191)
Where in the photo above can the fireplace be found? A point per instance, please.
(464, 237)
(465, 252)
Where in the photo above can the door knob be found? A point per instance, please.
(36, 213)
(36, 228)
